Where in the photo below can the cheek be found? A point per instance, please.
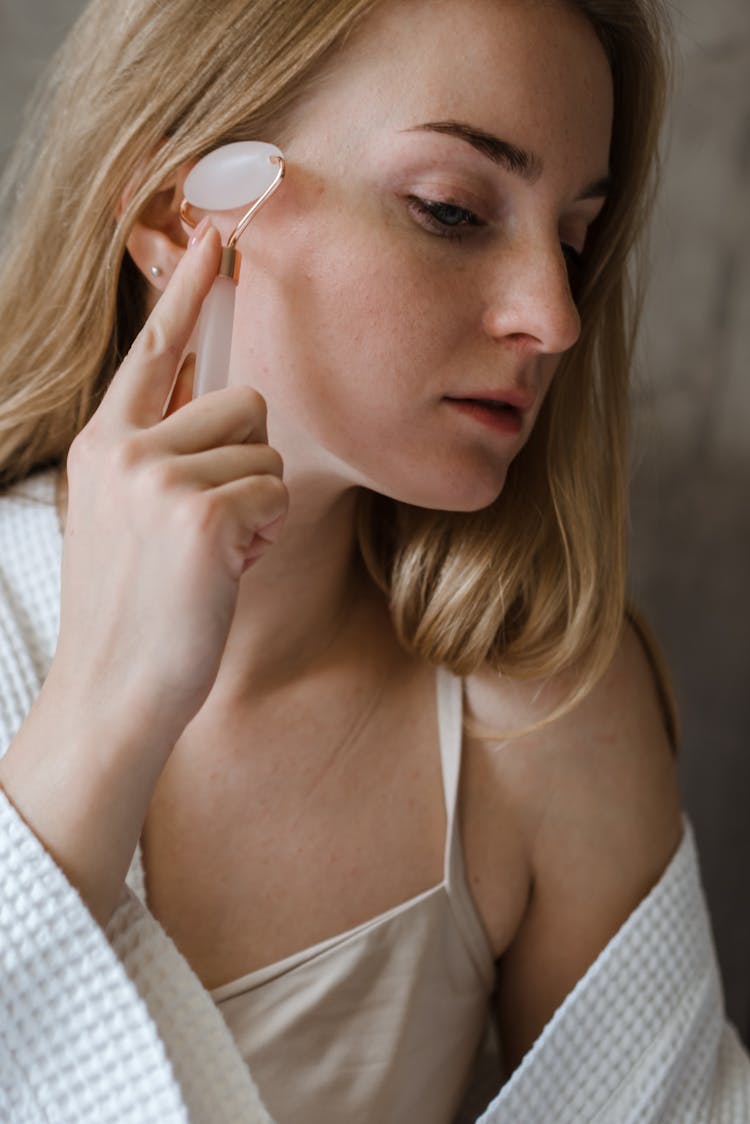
(338, 307)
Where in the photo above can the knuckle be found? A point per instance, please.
(196, 516)
(265, 460)
(274, 462)
(160, 476)
(80, 451)
(154, 341)
(209, 510)
(272, 494)
(252, 402)
(127, 454)
(90, 450)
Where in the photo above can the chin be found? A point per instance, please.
(457, 494)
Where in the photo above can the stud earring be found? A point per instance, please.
(155, 271)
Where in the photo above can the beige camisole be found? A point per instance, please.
(380, 1024)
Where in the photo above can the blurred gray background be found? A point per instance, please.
(690, 542)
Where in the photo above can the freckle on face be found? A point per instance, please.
(352, 321)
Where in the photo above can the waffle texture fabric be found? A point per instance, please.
(642, 1038)
(96, 1027)
(113, 1027)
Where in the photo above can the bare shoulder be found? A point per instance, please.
(596, 805)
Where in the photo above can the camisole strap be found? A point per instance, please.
(450, 727)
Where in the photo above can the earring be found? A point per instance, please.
(155, 271)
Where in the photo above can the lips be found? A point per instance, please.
(518, 400)
(490, 404)
(495, 414)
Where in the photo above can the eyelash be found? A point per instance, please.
(429, 210)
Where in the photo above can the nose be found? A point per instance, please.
(530, 303)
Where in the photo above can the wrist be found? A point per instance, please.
(108, 727)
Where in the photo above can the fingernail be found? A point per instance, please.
(200, 232)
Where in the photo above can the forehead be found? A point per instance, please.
(533, 69)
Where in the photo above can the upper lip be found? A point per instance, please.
(521, 400)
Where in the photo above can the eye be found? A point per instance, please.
(447, 220)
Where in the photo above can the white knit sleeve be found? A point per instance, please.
(96, 1027)
(77, 1044)
(76, 1040)
(642, 1038)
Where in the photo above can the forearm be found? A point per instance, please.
(75, 779)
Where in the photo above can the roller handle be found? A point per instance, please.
(215, 337)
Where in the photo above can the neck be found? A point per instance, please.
(304, 602)
(300, 600)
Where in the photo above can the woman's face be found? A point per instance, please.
(411, 264)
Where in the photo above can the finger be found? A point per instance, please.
(263, 503)
(225, 465)
(182, 390)
(261, 541)
(231, 416)
(249, 509)
(141, 385)
(272, 531)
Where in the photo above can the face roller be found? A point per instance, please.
(226, 179)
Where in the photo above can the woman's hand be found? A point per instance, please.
(164, 516)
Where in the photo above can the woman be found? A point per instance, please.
(279, 600)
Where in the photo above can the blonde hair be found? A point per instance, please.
(535, 583)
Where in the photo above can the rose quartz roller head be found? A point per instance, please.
(226, 179)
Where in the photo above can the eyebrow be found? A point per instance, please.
(509, 156)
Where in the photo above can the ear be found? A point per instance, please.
(158, 238)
